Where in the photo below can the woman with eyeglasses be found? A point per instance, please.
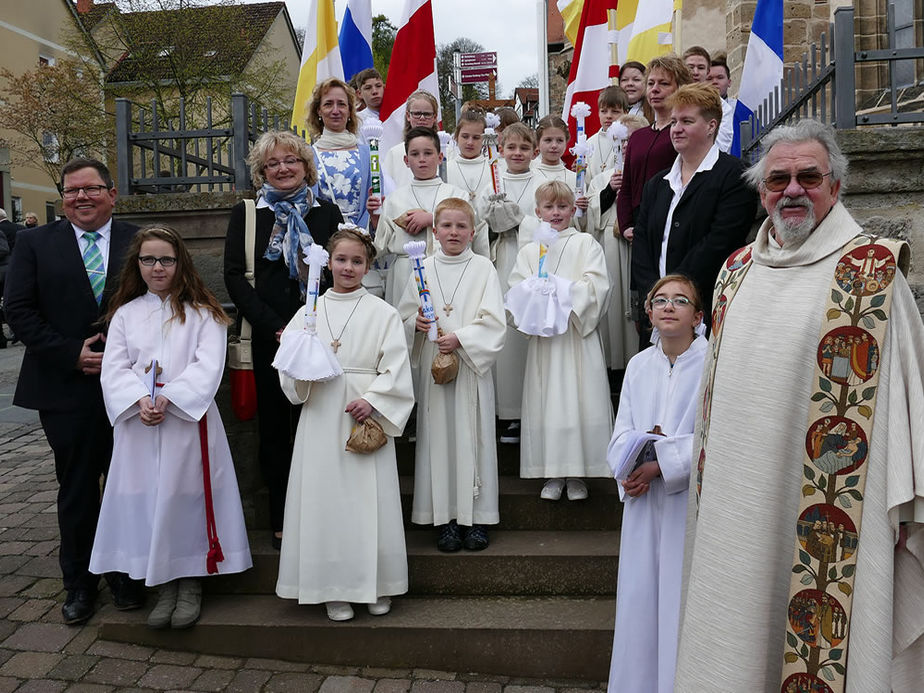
(288, 217)
(695, 214)
(420, 111)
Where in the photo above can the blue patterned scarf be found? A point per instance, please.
(290, 237)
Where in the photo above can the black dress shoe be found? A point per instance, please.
(127, 594)
(79, 606)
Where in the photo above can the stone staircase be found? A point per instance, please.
(538, 602)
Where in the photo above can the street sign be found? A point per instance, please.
(468, 60)
(476, 76)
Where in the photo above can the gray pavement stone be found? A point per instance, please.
(213, 680)
(333, 670)
(121, 650)
(41, 567)
(434, 674)
(9, 604)
(32, 610)
(346, 684)
(173, 657)
(42, 548)
(88, 688)
(392, 686)
(169, 676)
(5, 655)
(72, 667)
(44, 588)
(14, 548)
(293, 682)
(9, 564)
(42, 637)
(274, 665)
(441, 686)
(482, 687)
(26, 665)
(384, 673)
(248, 681)
(528, 689)
(82, 641)
(7, 628)
(8, 684)
(42, 686)
(118, 672)
(218, 662)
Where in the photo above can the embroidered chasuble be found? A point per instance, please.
(740, 620)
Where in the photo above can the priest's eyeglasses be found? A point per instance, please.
(808, 180)
(88, 190)
(660, 302)
(150, 261)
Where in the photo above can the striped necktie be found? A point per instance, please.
(93, 261)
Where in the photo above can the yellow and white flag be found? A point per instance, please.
(571, 12)
(320, 56)
(651, 30)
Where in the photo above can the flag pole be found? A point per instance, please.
(543, 55)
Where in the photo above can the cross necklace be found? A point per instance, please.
(335, 342)
(471, 190)
(447, 308)
(436, 194)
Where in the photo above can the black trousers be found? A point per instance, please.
(82, 444)
(277, 420)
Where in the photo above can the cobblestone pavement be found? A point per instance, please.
(39, 653)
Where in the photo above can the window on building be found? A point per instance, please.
(904, 38)
(16, 214)
(50, 215)
(50, 149)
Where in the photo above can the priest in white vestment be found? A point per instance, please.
(741, 530)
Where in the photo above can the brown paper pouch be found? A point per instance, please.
(366, 437)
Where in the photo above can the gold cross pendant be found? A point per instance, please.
(335, 344)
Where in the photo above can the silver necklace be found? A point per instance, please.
(447, 308)
(335, 342)
(435, 195)
(471, 190)
(525, 186)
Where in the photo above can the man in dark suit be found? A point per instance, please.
(59, 281)
(7, 237)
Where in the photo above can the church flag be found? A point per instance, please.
(570, 11)
(590, 65)
(651, 30)
(320, 57)
(356, 38)
(412, 67)
(763, 64)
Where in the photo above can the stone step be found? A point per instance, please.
(519, 505)
(516, 563)
(540, 637)
(508, 458)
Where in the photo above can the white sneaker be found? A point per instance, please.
(511, 434)
(339, 611)
(381, 607)
(552, 489)
(577, 489)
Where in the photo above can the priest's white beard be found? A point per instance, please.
(790, 231)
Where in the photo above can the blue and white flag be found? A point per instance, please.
(356, 38)
(763, 64)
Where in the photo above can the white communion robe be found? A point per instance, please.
(601, 154)
(651, 541)
(548, 172)
(152, 520)
(567, 413)
(343, 535)
(390, 238)
(739, 551)
(620, 338)
(508, 371)
(455, 473)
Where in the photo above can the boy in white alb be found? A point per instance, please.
(370, 89)
(455, 473)
(611, 105)
(407, 213)
(567, 412)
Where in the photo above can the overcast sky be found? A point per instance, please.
(505, 26)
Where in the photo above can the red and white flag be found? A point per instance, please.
(590, 66)
(412, 67)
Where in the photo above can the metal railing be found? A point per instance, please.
(823, 85)
(158, 154)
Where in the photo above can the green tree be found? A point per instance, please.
(56, 111)
(444, 70)
(383, 40)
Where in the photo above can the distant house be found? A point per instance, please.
(526, 104)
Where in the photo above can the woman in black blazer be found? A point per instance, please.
(282, 168)
(701, 206)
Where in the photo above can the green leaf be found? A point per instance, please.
(790, 657)
(824, 384)
(869, 392)
(804, 651)
(808, 490)
(836, 296)
(848, 570)
(832, 574)
(848, 304)
(791, 639)
(822, 482)
(799, 568)
(856, 495)
(839, 668)
(845, 588)
(827, 673)
(818, 396)
(852, 481)
(868, 322)
(845, 501)
(865, 410)
(804, 557)
(808, 472)
(852, 397)
(880, 314)
(806, 579)
(833, 313)
(828, 406)
(836, 653)
(877, 301)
